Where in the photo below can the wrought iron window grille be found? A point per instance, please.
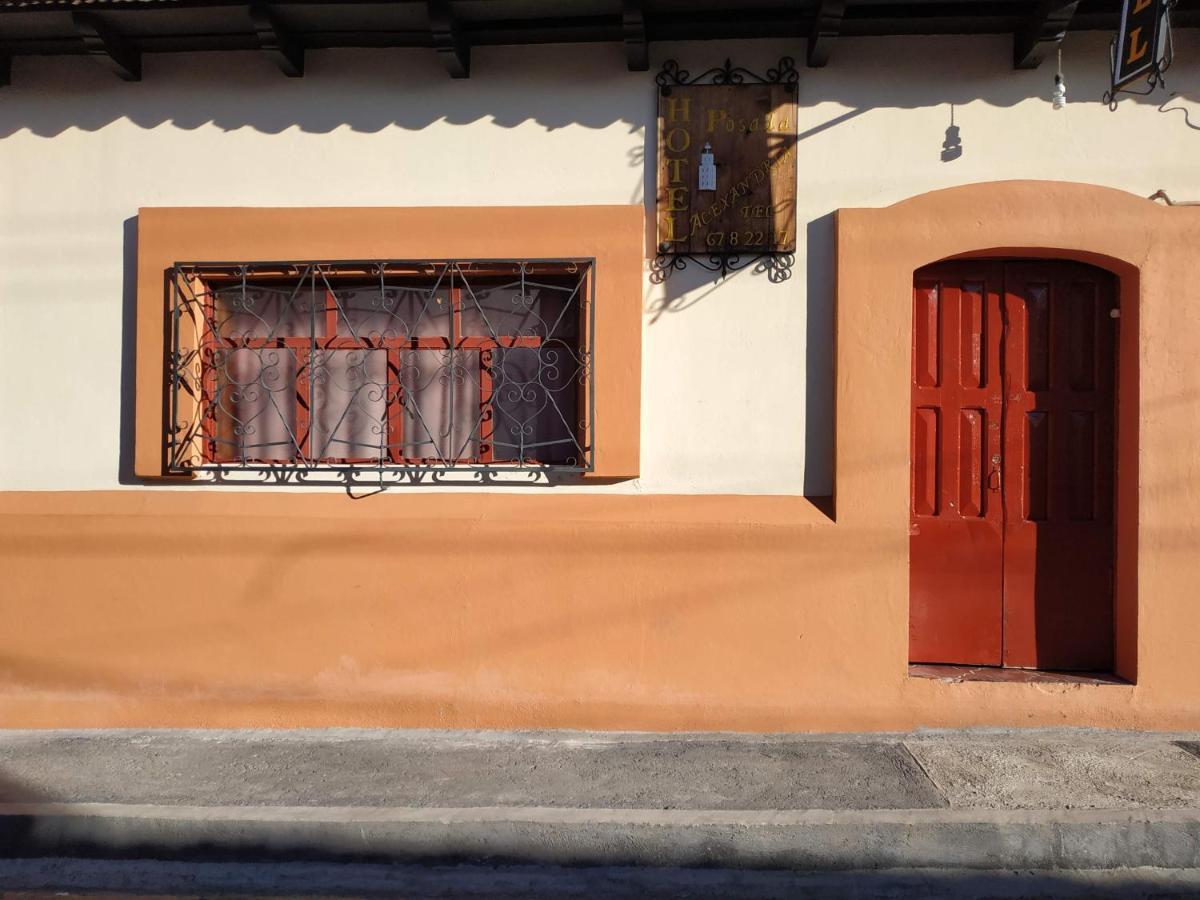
(381, 372)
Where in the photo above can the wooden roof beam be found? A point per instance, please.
(452, 48)
(1043, 33)
(106, 46)
(826, 26)
(276, 40)
(633, 28)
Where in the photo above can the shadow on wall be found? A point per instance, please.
(364, 90)
(553, 86)
(818, 358)
(129, 248)
(1172, 104)
(952, 146)
(17, 829)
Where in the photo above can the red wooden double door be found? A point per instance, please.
(1013, 421)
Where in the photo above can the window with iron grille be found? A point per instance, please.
(393, 367)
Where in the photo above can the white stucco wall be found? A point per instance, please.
(736, 376)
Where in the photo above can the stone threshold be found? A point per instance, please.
(959, 674)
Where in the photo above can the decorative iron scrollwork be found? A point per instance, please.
(784, 72)
(776, 266)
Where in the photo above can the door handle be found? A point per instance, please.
(994, 475)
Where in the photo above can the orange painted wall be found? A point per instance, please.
(192, 607)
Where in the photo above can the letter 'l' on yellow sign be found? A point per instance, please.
(1139, 42)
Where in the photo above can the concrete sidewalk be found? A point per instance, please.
(1062, 799)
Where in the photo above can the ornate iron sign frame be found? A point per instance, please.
(777, 265)
(1163, 52)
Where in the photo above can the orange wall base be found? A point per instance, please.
(193, 609)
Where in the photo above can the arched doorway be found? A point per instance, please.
(1013, 430)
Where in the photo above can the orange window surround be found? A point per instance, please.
(609, 236)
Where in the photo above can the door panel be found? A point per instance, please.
(1059, 372)
(1013, 389)
(956, 542)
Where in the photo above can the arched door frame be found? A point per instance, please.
(878, 250)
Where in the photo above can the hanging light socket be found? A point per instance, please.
(1058, 97)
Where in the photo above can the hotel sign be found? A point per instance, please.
(727, 165)
(1140, 41)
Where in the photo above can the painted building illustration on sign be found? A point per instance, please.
(753, 367)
